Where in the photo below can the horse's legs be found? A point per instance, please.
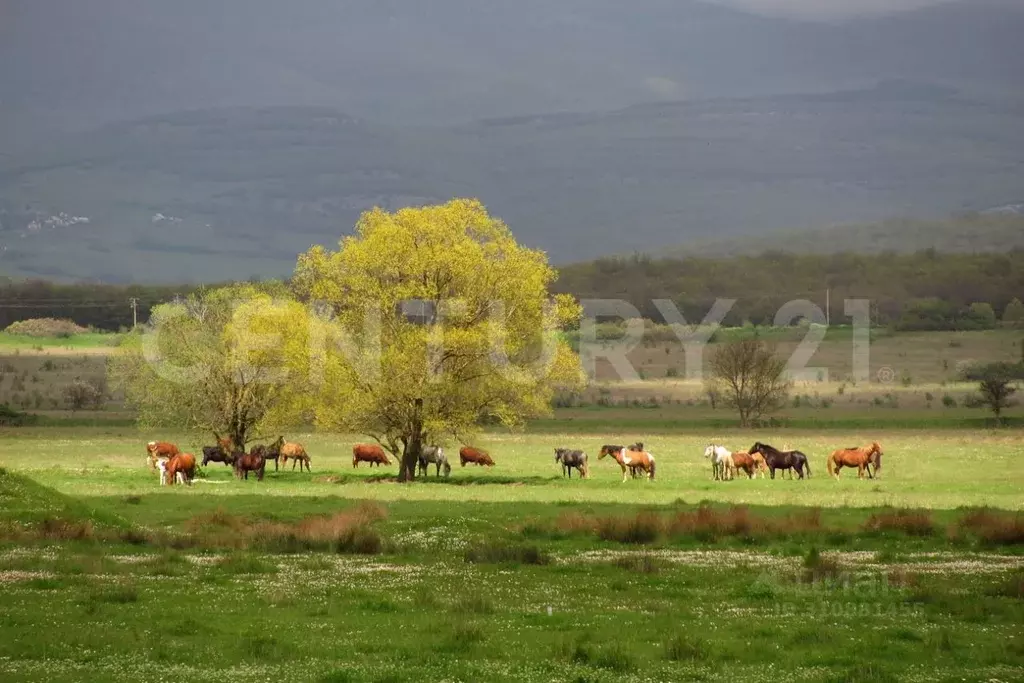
(623, 473)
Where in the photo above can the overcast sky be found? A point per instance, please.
(827, 9)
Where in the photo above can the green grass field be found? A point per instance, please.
(513, 573)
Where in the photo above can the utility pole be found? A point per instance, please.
(135, 312)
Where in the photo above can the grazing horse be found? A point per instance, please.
(181, 467)
(782, 460)
(435, 455)
(474, 455)
(369, 452)
(216, 454)
(569, 459)
(288, 449)
(159, 449)
(250, 462)
(723, 466)
(626, 457)
(861, 458)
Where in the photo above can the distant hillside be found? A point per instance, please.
(997, 231)
(233, 193)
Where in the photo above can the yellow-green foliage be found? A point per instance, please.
(488, 293)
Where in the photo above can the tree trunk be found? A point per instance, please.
(413, 446)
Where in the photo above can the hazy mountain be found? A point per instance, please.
(237, 192)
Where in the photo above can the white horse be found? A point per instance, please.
(721, 461)
(162, 466)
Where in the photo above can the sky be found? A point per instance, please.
(827, 10)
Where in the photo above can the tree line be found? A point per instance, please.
(926, 290)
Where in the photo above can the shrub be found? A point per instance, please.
(45, 327)
(948, 401)
(993, 527)
(686, 649)
(645, 527)
(910, 522)
(639, 563)
(81, 394)
(506, 553)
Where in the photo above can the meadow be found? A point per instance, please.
(513, 573)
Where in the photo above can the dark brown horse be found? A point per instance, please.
(861, 458)
(782, 460)
(250, 462)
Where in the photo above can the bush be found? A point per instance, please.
(81, 394)
(45, 327)
(506, 553)
(948, 401)
(993, 527)
(910, 522)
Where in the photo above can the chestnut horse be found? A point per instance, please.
(627, 457)
(760, 466)
(638, 446)
(474, 455)
(181, 466)
(159, 449)
(289, 449)
(861, 458)
(369, 452)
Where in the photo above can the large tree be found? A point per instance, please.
(218, 363)
(750, 377)
(434, 321)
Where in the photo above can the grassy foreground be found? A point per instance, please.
(513, 574)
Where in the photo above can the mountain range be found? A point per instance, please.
(145, 140)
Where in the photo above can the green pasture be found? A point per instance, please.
(499, 575)
(938, 470)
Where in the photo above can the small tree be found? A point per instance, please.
(1014, 312)
(982, 315)
(211, 363)
(81, 394)
(749, 377)
(996, 385)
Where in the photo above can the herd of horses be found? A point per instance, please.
(760, 460)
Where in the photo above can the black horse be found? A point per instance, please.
(572, 458)
(216, 454)
(779, 460)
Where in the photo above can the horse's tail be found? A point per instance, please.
(652, 469)
(807, 464)
(831, 463)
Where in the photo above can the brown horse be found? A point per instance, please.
(475, 456)
(861, 458)
(159, 449)
(760, 466)
(746, 462)
(249, 462)
(184, 463)
(627, 457)
(369, 452)
(289, 449)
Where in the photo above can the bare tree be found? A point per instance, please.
(749, 377)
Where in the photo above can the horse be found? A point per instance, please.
(626, 457)
(722, 464)
(216, 454)
(254, 461)
(782, 460)
(436, 456)
(159, 449)
(162, 466)
(369, 452)
(572, 458)
(474, 455)
(288, 449)
(181, 467)
(760, 466)
(861, 458)
(638, 446)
